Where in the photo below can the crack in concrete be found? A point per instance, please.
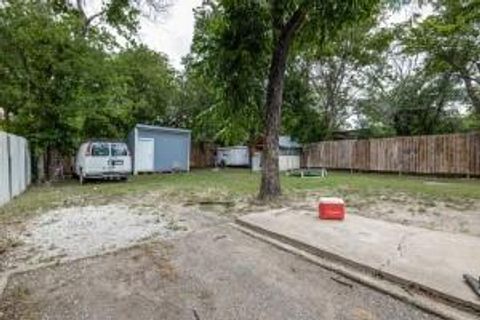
(401, 244)
(400, 250)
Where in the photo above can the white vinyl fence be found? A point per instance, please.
(15, 168)
(288, 162)
(285, 162)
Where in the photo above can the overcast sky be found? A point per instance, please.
(172, 33)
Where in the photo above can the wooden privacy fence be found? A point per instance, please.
(202, 155)
(435, 154)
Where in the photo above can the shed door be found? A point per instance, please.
(172, 153)
(145, 154)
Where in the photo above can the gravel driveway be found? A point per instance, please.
(214, 273)
(76, 232)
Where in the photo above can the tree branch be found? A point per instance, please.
(277, 19)
(295, 22)
(90, 19)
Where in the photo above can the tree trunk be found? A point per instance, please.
(40, 170)
(48, 163)
(473, 93)
(270, 185)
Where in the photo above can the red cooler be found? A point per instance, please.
(331, 209)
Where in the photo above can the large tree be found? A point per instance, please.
(450, 38)
(306, 21)
(417, 104)
(136, 85)
(45, 69)
(121, 15)
(244, 46)
(285, 24)
(226, 71)
(328, 80)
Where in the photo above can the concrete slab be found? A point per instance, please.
(428, 260)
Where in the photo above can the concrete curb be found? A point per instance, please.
(393, 286)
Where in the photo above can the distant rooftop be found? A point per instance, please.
(287, 142)
(150, 127)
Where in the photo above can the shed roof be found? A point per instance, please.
(232, 147)
(150, 127)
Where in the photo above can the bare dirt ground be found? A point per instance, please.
(215, 273)
(435, 215)
(451, 215)
(85, 229)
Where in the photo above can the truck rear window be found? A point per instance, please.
(119, 149)
(100, 149)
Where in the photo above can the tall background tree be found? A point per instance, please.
(61, 85)
(451, 41)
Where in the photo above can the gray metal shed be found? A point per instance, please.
(159, 149)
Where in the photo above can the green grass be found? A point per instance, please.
(232, 184)
(370, 183)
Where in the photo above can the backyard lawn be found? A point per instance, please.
(65, 221)
(233, 185)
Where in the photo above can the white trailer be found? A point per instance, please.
(237, 156)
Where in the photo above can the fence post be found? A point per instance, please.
(9, 167)
(469, 144)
